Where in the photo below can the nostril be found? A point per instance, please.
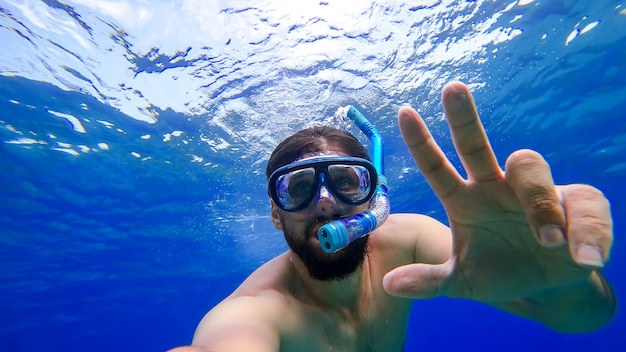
(326, 207)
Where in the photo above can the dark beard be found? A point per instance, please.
(321, 265)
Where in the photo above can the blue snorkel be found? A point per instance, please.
(338, 234)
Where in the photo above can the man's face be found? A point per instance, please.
(300, 231)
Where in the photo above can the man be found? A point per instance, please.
(516, 241)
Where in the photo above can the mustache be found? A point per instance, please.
(320, 221)
(327, 219)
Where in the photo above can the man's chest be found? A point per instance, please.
(382, 327)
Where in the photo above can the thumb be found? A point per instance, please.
(418, 280)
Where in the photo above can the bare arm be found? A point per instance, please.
(238, 324)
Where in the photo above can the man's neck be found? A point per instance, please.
(341, 295)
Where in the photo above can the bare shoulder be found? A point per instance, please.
(264, 308)
(420, 238)
(253, 316)
(243, 323)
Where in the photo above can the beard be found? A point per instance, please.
(321, 265)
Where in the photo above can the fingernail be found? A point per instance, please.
(551, 236)
(589, 255)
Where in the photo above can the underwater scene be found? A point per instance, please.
(134, 137)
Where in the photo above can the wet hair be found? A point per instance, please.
(313, 140)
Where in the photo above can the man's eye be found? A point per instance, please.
(299, 190)
(349, 182)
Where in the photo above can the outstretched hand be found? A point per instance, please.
(515, 233)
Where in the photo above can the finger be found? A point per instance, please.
(418, 280)
(432, 162)
(589, 224)
(528, 174)
(468, 134)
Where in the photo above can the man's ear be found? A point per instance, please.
(275, 216)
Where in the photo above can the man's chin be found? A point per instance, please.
(334, 266)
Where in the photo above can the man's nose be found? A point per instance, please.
(325, 202)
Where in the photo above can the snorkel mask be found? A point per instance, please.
(354, 181)
(351, 180)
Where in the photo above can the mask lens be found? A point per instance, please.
(295, 188)
(352, 182)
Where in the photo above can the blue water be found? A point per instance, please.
(134, 135)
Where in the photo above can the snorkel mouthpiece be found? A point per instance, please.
(339, 234)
